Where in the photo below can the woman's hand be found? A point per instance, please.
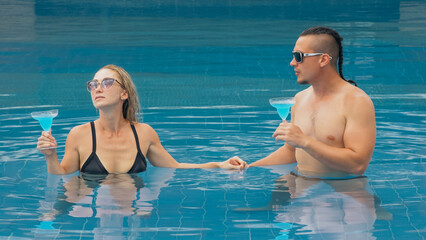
(234, 163)
(46, 143)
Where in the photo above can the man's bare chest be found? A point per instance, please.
(325, 122)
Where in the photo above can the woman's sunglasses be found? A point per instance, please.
(105, 84)
(298, 56)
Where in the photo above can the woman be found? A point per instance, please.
(116, 142)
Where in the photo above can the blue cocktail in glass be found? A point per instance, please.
(45, 119)
(283, 105)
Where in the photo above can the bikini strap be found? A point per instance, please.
(92, 125)
(136, 137)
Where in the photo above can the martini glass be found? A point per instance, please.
(283, 105)
(45, 119)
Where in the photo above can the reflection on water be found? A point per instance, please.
(330, 209)
(112, 194)
(334, 208)
(114, 200)
(200, 202)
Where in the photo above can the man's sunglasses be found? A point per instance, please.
(105, 84)
(298, 56)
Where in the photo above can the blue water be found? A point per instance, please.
(205, 72)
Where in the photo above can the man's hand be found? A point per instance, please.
(291, 134)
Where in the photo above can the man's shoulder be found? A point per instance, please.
(353, 93)
(355, 98)
(304, 92)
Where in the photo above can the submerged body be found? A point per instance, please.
(333, 128)
(119, 141)
(94, 165)
(341, 122)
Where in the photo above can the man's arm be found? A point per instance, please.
(359, 138)
(284, 155)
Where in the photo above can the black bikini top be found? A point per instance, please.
(94, 166)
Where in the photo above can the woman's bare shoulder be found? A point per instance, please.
(144, 128)
(79, 136)
(80, 130)
(146, 132)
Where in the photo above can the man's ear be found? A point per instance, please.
(324, 60)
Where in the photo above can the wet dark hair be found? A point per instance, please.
(337, 38)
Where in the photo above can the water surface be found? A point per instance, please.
(205, 72)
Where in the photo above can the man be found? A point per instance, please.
(332, 130)
(331, 136)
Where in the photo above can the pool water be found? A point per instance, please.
(205, 72)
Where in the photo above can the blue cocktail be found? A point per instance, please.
(283, 105)
(45, 119)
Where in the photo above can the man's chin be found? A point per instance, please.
(303, 82)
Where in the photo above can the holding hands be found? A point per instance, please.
(234, 163)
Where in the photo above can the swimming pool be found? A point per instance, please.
(205, 72)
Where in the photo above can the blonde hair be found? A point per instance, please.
(131, 108)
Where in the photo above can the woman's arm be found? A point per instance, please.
(159, 157)
(70, 163)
